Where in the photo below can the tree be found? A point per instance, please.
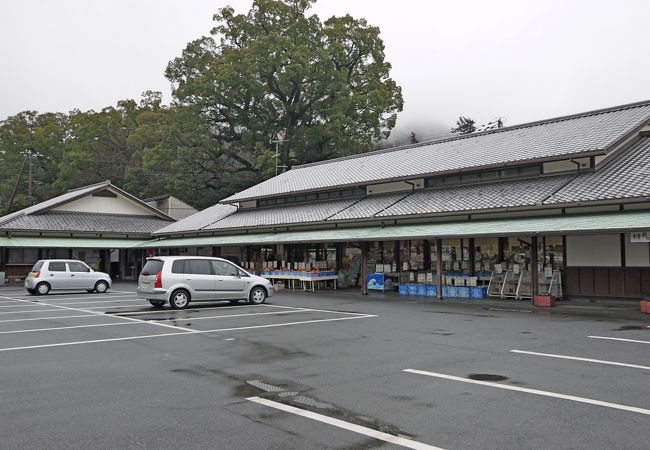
(464, 125)
(321, 88)
(43, 137)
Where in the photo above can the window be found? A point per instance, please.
(37, 266)
(177, 267)
(153, 266)
(199, 266)
(225, 269)
(56, 266)
(192, 266)
(78, 267)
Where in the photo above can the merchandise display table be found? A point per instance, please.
(308, 282)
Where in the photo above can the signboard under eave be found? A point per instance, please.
(640, 236)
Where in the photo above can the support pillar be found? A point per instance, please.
(364, 268)
(426, 248)
(439, 267)
(534, 269)
(472, 257)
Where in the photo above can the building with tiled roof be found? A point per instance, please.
(567, 196)
(99, 223)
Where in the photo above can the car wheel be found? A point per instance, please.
(101, 287)
(157, 303)
(42, 289)
(257, 295)
(180, 299)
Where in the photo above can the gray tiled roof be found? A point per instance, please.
(279, 215)
(571, 135)
(626, 176)
(84, 222)
(503, 194)
(200, 220)
(369, 206)
(63, 198)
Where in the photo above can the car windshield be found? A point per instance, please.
(152, 267)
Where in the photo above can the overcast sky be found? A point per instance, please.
(521, 60)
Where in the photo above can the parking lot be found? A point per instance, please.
(317, 370)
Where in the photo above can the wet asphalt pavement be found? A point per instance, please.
(320, 371)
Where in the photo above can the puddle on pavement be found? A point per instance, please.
(486, 377)
(633, 327)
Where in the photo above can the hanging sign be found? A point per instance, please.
(640, 236)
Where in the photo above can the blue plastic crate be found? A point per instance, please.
(463, 291)
(432, 290)
(403, 289)
(452, 291)
(412, 288)
(421, 290)
(478, 292)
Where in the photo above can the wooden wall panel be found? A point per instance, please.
(601, 280)
(632, 282)
(586, 275)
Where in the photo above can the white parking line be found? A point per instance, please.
(575, 358)
(32, 330)
(180, 333)
(122, 317)
(319, 310)
(408, 443)
(53, 298)
(533, 391)
(619, 339)
(48, 318)
(19, 305)
(147, 321)
(134, 313)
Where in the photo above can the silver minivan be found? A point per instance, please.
(177, 280)
(68, 274)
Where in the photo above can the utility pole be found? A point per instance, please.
(31, 173)
(15, 189)
(277, 156)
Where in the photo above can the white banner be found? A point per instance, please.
(640, 236)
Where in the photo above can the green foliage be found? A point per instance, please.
(464, 125)
(322, 88)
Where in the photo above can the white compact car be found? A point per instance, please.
(68, 274)
(177, 280)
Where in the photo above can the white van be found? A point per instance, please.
(177, 280)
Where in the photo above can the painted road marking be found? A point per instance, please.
(134, 313)
(534, 391)
(31, 330)
(181, 333)
(575, 358)
(408, 443)
(619, 339)
(133, 323)
(88, 311)
(48, 318)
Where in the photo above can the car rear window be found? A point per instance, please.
(152, 267)
(37, 266)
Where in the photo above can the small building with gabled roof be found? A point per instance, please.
(100, 223)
